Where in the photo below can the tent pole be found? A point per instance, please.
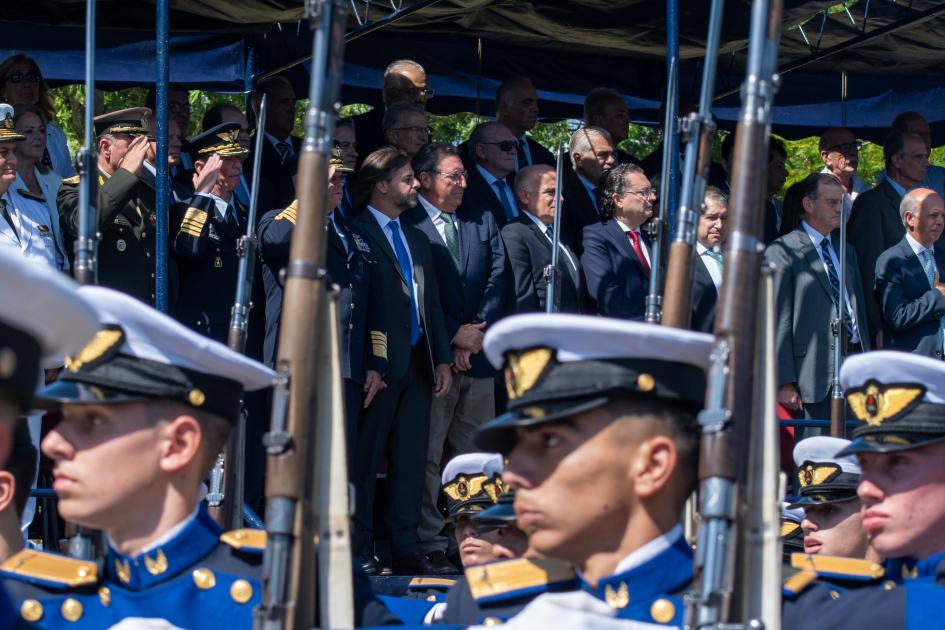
(479, 79)
(843, 98)
(671, 134)
(160, 168)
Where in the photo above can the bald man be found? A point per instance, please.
(839, 150)
(909, 278)
(516, 103)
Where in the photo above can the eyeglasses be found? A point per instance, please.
(423, 130)
(505, 145)
(643, 193)
(426, 92)
(454, 176)
(19, 77)
(846, 148)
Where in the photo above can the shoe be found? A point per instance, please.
(434, 563)
(370, 565)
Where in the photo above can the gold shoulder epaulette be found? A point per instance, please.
(245, 538)
(836, 566)
(798, 582)
(51, 567)
(431, 582)
(290, 213)
(71, 180)
(498, 578)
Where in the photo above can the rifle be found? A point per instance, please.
(84, 269)
(654, 300)
(720, 593)
(697, 129)
(294, 472)
(838, 404)
(551, 271)
(225, 496)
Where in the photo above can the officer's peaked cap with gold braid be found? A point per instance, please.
(140, 354)
(899, 399)
(222, 140)
(822, 476)
(471, 483)
(560, 365)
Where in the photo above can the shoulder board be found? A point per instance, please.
(71, 180)
(50, 569)
(837, 567)
(290, 213)
(245, 539)
(516, 577)
(798, 582)
(430, 582)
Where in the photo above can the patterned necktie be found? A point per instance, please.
(834, 279)
(503, 188)
(403, 259)
(717, 257)
(638, 250)
(451, 236)
(928, 264)
(285, 151)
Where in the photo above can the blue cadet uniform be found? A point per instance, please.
(191, 570)
(899, 399)
(45, 322)
(207, 232)
(557, 366)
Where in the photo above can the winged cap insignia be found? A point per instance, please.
(875, 403)
(523, 370)
(813, 474)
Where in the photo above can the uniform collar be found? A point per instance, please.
(661, 567)
(910, 568)
(170, 556)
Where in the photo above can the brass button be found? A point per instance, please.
(646, 382)
(241, 591)
(834, 595)
(889, 585)
(662, 611)
(31, 610)
(492, 621)
(204, 579)
(71, 609)
(105, 596)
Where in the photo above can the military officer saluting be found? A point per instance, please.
(601, 442)
(349, 261)
(146, 406)
(126, 207)
(900, 444)
(47, 320)
(207, 231)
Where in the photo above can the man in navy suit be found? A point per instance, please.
(616, 259)
(908, 279)
(491, 152)
(707, 268)
(592, 156)
(528, 245)
(470, 264)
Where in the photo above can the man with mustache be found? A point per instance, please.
(900, 445)
(601, 441)
(616, 256)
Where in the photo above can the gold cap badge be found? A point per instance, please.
(875, 403)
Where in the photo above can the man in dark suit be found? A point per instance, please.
(419, 358)
(405, 81)
(405, 127)
(908, 279)
(344, 138)
(616, 259)
(807, 288)
(280, 149)
(604, 108)
(517, 108)
(711, 234)
(592, 156)
(361, 310)
(206, 231)
(875, 223)
(491, 151)
(528, 245)
(470, 265)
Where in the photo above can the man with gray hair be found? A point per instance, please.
(605, 108)
(914, 122)
(405, 81)
(840, 151)
(592, 156)
(491, 153)
(516, 103)
(908, 278)
(876, 223)
(405, 127)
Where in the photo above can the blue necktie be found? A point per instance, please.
(928, 264)
(834, 279)
(503, 188)
(403, 259)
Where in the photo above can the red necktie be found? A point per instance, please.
(638, 249)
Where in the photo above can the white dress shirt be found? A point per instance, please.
(626, 228)
(816, 237)
(221, 206)
(710, 265)
(544, 230)
(384, 222)
(27, 225)
(434, 215)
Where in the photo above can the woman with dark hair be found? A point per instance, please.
(22, 83)
(792, 209)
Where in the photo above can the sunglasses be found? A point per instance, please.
(19, 77)
(505, 145)
(846, 148)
